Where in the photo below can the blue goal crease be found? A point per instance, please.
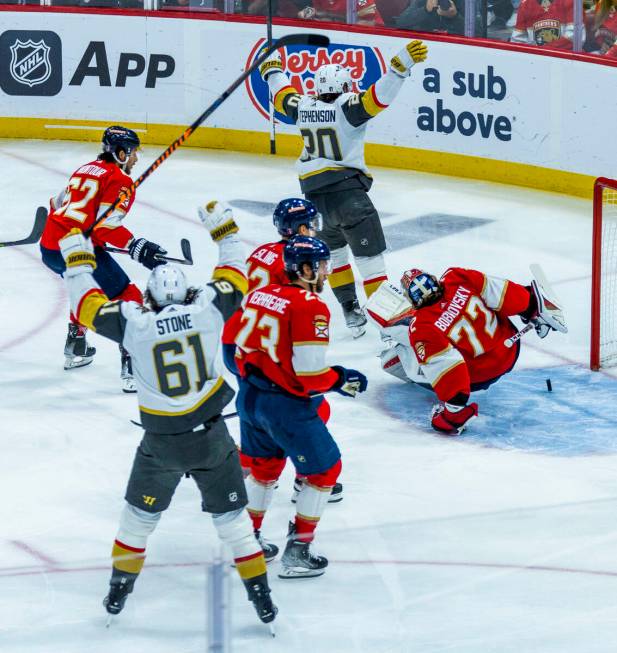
(519, 412)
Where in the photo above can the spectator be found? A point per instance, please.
(433, 16)
(602, 38)
(547, 23)
(281, 8)
(336, 11)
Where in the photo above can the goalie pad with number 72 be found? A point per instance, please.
(550, 311)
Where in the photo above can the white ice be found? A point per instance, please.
(502, 540)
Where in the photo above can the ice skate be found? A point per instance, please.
(354, 318)
(259, 595)
(298, 560)
(77, 352)
(336, 494)
(269, 549)
(120, 586)
(126, 373)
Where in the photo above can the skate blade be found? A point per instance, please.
(335, 499)
(297, 572)
(272, 629)
(357, 332)
(109, 621)
(128, 386)
(72, 363)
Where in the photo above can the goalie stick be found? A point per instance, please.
(37, 230)
(185, 246)
(317, 40)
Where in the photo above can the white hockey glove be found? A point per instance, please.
(271, 65)
(550, 315)
(78, 253)
(218, 219)
(414, 52)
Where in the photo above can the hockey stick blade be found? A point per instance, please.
(37, 230)
(185, 246)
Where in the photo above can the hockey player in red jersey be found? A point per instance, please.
(460, 331)
(92, 188)
(281, 347)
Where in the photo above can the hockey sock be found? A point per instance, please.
(235, 530)
(73, 319)
(373, 271)
(129, 547)
(260, 495)
(312, 500)
(341, 278)
(128, 559)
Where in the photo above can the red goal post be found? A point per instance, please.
(604, 275)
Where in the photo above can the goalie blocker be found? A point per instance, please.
(454, 335)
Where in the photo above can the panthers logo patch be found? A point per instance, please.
(420, 351)
(320, 323)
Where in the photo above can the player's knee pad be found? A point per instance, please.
(265, 470)
(235, 528)
(373, 271)
(136, 525)
(259, 494)
(326, 479)
(131, 294)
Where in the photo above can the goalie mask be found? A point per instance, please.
(166, 285)
(332, 79)
(421, 288)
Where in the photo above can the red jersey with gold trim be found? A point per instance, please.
(459, 340)
(92, 188)
(266, 266)
(548, 23)
(284, 334)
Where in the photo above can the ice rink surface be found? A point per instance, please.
(501, 540)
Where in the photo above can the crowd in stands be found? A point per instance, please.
(542, 23)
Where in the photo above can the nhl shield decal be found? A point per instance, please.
(30, 62)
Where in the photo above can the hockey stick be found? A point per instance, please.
(37, 230)
(185, 246)
(509, 342)
(289, 39)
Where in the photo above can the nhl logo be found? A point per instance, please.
(30, 62)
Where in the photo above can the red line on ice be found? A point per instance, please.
(35, 553)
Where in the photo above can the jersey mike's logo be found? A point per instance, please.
(30, 62)
(300, 62)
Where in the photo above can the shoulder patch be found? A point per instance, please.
(320, 322)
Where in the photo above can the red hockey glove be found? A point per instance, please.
(451, 419)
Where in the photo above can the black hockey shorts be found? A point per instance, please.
(209, 456)
(349, 218)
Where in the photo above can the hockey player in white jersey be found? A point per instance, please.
(181, 396)
(332, 171)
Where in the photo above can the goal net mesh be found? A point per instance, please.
(608, 277)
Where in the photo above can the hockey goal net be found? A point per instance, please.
(604, 275)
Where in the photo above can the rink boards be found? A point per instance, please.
(483, 111)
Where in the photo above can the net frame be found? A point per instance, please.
(603, 350)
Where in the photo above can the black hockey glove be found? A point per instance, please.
(350, 382)
(144, 252)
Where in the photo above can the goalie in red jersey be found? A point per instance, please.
(459, 329)
(91, 190)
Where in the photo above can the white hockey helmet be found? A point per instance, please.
(167, 285)
(332, 78)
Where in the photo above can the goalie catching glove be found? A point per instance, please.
(218, 219)
(78, 253)
(451, 419)
(414, 52)
(350, 382)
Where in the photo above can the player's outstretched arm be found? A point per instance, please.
(284, 95)
(89, 303)
(229, 282)
(361, 108)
